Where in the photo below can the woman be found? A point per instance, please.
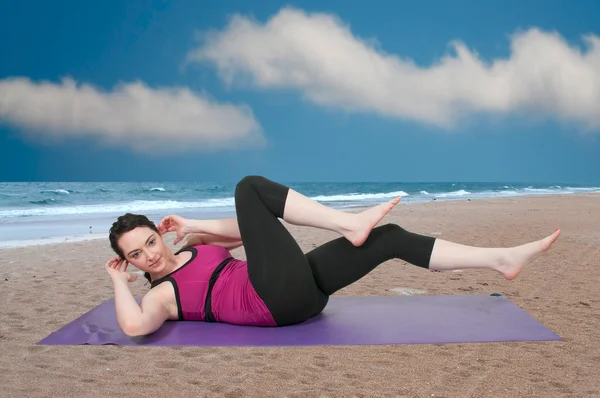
(278, 284)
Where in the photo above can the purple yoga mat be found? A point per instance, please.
(345, 321)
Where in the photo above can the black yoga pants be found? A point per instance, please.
(296, 286)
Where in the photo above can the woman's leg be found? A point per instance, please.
(355, 227)
(282, 274)
(337, 264)
(277, 267)
(508, 261)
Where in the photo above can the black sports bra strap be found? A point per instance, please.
(208, 315)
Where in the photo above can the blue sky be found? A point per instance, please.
(301, 91)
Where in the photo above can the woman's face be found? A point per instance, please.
(144, 248)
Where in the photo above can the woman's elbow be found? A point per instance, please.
(140, 328)
(133, 329)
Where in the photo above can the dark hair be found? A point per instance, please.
(125, 223)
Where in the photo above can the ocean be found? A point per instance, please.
(47, 212)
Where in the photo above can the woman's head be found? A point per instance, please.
(137, 240)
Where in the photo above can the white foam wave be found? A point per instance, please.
(357, 196)
(562, 191)
(501, 193)
(9, 244)
(61, 191)
(461, 192)
(542, 190)
(227, 204)
(555, 190)
(158, 189)
(136, 206)
(583, 189)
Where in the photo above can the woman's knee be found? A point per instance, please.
(409, 246)
(391, 228)
(249, 182)
(389, 235)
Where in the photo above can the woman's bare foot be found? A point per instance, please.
(365, 221)
(517, 258)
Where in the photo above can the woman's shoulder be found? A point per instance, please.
(162, 296)
(164, 291)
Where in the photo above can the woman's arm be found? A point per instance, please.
(133, 319)
(224, 231)
(225, 228)
(208, 239)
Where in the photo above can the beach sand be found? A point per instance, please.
(46, 287)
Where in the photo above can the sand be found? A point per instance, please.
(45, 287)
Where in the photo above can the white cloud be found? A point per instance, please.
(318, 55)
(132, 115)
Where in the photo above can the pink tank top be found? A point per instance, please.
(233, 298)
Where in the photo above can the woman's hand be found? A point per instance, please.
(117, 269)
(175, 224)
(194, 240)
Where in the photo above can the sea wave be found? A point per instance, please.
(460, 192)
(121, 199)
(57, 191)
(134, 206)
(358, 196)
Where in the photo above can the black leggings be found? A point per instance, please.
(296, 286)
